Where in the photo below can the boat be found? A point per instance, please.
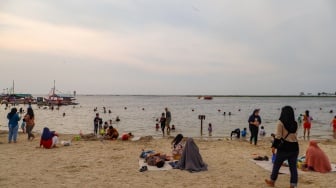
(16, 98)
(207, 97)
(57, 99)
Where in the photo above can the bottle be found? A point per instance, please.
(273, 157)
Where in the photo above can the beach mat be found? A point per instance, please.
(268, 165)
(154, 168)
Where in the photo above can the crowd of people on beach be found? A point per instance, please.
(285, 147)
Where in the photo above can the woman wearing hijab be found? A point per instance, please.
(191, 159)
(13, 125)
(316, 159)
(286, 129)
(49, 138)
(254, 122)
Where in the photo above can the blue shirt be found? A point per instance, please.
(243, 133)
(14, 121)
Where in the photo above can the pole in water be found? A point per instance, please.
(201, 117)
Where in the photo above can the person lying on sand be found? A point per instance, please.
(153, 158)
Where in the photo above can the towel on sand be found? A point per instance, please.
(268, 165)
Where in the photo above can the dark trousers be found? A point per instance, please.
(254, 134)
(281, 156)
(95, 129)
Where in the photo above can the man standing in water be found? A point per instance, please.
(254, 122)
(96, 122)
(168, 119)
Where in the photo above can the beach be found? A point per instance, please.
(115, 164)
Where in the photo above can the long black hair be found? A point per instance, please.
(30, 112)
(177, 139)
(307, 113)
(287, 117)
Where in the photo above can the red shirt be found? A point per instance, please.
(47, 143)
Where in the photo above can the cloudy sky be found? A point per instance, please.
(168, 47)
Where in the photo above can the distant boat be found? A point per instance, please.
(57, 99)
(207, 97)
(16, 98)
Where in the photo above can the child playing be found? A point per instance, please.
(23, 126)
(244, 132)
(262, 131)
(235, 132)
(210, 129)
(163, 123)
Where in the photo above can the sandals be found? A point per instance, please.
(143, 168)
(269, 183)
(259, 158)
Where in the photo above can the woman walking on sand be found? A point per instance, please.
(13, 125)
(254, 122)
(30, 123)
(286, 129)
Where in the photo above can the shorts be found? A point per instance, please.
(306, 125)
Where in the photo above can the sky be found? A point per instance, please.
(157, 47)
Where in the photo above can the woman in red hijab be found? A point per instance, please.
(316, 159)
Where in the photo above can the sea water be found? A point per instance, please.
(139, 114)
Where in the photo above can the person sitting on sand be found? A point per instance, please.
(191, 159)
(126, 136)
(262, 131)
(177, 145)
(244, 132)
(112, 133)
(49, 138)
(316, 159)
(235, 132)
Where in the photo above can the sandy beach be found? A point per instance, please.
(115, 164)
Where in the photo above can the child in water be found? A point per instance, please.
(333, 124)
(173, 128)
(210, 129)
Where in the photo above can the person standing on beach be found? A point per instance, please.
(333, 124)
(300, 120)
(30, 122)
(96, 122)
(163, 123)
(13, 125)
(287, 130)
(168, 119)
(306, 124)
(254, 122)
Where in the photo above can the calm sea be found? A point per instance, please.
(138, 114)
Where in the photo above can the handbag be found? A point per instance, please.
(282, 142)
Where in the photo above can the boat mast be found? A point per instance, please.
(13, 88)
(53, 90)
